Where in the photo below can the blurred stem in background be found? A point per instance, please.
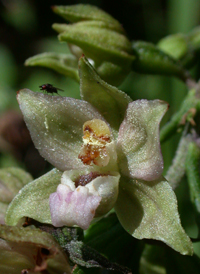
(182, 16)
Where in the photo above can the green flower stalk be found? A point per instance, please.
(107, 153)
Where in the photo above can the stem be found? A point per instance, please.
(192, 171)
(177, 170)
(186, 112)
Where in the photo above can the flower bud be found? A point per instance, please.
(98, 36)
(150, 59)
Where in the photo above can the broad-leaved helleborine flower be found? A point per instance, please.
(106, 151)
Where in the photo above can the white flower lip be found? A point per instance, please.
(71, 205)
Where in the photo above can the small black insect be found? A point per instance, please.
(50, 88)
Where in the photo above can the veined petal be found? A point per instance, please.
(81, 196)
(149, 210)
(55, 124)
(138, 143)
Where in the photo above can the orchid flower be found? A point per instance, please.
(106, 153)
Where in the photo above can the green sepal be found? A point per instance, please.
(31, 249)
(99, 43)
(110, 102)
(33, 200)
(148, 210)
(65, 64)
(81, 12)
(150, 59)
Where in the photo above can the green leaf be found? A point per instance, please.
(65, 64)
(81, 12)
(153, 260)
(55, 124)
(99, 44)
(109, 101)
(159, 260)
(32, 249)
(150, 59)
(138, 141)
(33, 200)
(149, 210)
(109, 238)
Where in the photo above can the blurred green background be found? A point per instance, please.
(25, 30)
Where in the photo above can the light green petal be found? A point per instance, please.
(110, 102)
(66, 64)
(148, 210)
(55, 124)
(138, 141)
(33, 200)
